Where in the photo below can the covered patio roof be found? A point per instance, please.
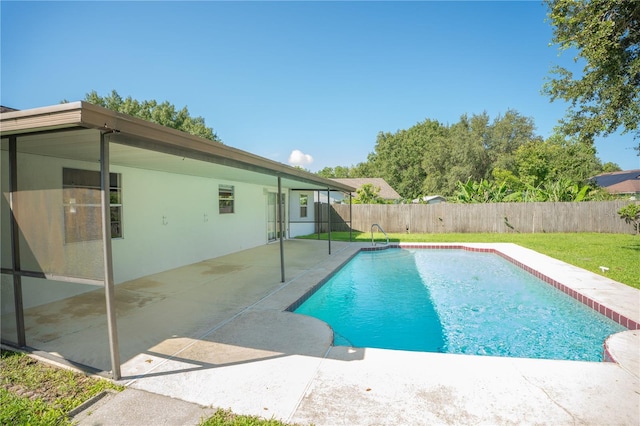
(142, 144)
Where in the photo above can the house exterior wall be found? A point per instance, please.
(40, 218)
(301, 225)
(169, 220)
(172, 220)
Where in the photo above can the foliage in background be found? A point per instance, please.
(480, 192)
(431, 158)
(610, 167)
(631, 214)
(606, 36)
(163, 113)
(556, 158)
(368, 194)
(559, 190)
(618, 252)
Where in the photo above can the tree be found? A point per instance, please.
(631, 214)
(161, 113)
(556, 158)
(505, 135)
(473, 148)
(609, 167)
(574, 159)
(326, 172)
(508, 178)
(534, 163)
(362, 170)
(398, 156)
(606, 35)
(457, 155)
(368, 194)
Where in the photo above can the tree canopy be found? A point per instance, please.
(497, 157)
(163, 113)
(368, 194)
(340, 172)
(606, 36)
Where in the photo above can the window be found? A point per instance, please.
(304, 200)
(81, 201)
(225, 198)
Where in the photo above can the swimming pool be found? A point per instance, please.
(455, 301)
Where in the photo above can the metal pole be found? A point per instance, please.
(329, 218)
(15, 242)
(279, 198)
(109, 289)
(350, 217)
(319, 213)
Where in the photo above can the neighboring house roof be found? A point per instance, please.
(430, 199)
(386, 191)
(626, 187)
(624, 182)
(127, 131)
(6, 109)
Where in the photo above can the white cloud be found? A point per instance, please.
(299, 158)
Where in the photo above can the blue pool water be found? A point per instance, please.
(454, 301)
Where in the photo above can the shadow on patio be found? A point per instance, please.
(219, 312)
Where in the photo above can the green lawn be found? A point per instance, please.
(37, 394)
(34, 393)
(227, 418)
(618, 252)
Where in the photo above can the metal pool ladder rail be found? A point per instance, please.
(375, 225)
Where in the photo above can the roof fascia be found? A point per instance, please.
(41, 119)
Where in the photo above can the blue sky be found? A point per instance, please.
(322, 78)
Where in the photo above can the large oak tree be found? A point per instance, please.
(605, 34)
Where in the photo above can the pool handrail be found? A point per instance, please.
(381, 230)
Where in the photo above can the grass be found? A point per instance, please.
(227, 418)
(38, 394)
(35, 393)
(618, 252)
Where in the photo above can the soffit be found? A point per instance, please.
(83, 145)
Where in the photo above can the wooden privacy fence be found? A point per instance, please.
(593, 216)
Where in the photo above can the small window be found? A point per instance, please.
(225, 198)
(82, 205)
(304, 200)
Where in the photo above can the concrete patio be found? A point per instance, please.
(215, 334)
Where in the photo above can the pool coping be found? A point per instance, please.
(610, 298)
(273, 364)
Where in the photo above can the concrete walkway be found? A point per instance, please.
(372, 386)
(215, 334)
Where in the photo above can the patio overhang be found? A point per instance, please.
(154, 140)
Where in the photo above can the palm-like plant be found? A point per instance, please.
(631, 214)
